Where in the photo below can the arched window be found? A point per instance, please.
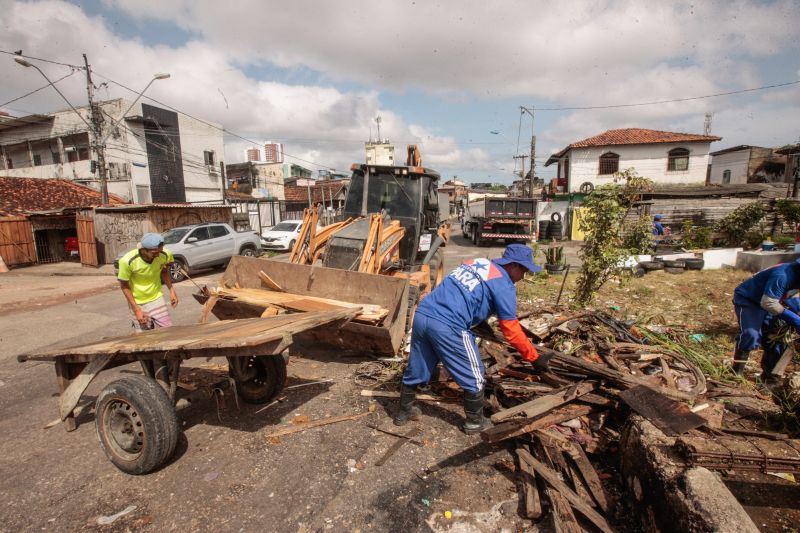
(678, 159)
(609, 164)
(726, 177)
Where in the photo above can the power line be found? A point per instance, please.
(656, 102)
(79, 67)
(39, 89)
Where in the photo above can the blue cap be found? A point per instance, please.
(657, 217)
(520, 254)
(152, 240)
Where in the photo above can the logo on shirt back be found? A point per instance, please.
(466, 273)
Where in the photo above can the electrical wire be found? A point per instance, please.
(79, 67)
(39, 89)
(674, 100)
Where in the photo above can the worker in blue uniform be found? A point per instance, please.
(658, 227)
(758, 297)
(442, 330)
(771, 365)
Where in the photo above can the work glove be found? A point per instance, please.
(791, 317)
(542, 363)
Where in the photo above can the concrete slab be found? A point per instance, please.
(758, 260)
(716, 259)
(712, 500)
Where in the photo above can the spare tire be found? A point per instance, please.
(651, 265)
(674, 263)
(586, 187)
(673, 270)
(544, 225)
(638, 271)
(694, 263)
(555, 217)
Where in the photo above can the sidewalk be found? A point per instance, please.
(41, 285)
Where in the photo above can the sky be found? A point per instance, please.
(449, 76)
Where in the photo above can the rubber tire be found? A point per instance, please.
(272, 371)
(476, 237)
(157, 415)
(652, 265)
(247, 251)
(586, 187)
(436, 266)
(694, 263)
(673, 270)
(413, 300)
(555, 217)
(175, 273)
(674, 263)
(291, 245)
(638, 271)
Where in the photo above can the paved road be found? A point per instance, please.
(226, 475)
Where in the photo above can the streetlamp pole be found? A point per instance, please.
(97, 139)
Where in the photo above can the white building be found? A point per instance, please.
(664, 157)
(746, 164)
(153, 155)
(380, 153)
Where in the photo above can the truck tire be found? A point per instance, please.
(476, 236)
(436, 266)
(136, 424)
(555, 230)
(586, 187)
(544, 226)
(176, 269)
(555, 217)
(268, 382)
(694, 263)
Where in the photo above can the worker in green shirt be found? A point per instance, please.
(141, 274)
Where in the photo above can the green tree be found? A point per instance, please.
(603, 222)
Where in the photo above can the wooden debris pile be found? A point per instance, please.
(598, 364)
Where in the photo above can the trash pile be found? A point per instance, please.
(599, 366)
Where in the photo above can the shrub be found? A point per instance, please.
(695, 237)
(738, 225)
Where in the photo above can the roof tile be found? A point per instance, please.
(21, 196)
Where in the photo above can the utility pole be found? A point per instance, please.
(97, 144)
(524, 109)
(522, 172)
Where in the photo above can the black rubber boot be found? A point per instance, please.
(740, 358)
(408, 411)
(475, 422)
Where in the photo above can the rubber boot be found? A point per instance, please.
(408, 411)
(475, 422)
(740, 358)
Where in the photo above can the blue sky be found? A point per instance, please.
(442, 75)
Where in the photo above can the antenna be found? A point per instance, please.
(378, 120)
(707, 124)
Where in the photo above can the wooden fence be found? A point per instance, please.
(16, 241)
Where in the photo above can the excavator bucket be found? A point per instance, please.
(383, 338)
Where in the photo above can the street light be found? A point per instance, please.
(100, 140)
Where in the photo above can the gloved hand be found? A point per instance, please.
(542, 363)
(791, 317)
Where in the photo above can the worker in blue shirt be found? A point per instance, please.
(756, 298)
(772, 366)
(442, 330)
(658, 227)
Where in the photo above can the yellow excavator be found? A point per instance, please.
(387, 251)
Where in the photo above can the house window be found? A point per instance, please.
(609, 164)
(208, 157)
(726, 177)
(83, 154)
(678, 159)
(37, 160)
(56, 157)
(566, 168)
(143, 194)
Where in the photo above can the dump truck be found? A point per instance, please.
(386, 253)
(499, 218)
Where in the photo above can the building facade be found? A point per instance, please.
(746, 164)
(152, 154)
(380, 153)
(262, 180)
(667, 158)
(273, 152)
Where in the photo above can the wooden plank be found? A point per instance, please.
(579, 505)
(207, 307)
(668, 415)
(517, 428)
(393, 394)
(70, 397)
(589, 475)
(397, 445)
(63, 379)
(269, 282)
(314, 424)
(667, 373)
(544, 404)
(533, 503)
(87, 244)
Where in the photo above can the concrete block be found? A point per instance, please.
(758, 260)
(713, 502)
(717, 259)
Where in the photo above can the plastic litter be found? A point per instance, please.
(426, 501)
(110, 519)
(211, 476)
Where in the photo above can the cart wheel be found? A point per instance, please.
(136, 424)
(269, 379)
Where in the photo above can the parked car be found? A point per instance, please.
(206, 245)
(282, 236)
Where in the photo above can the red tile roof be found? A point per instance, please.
(299, 193)
(634, 136)
(21, 196)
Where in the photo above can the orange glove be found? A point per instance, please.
(513, 333)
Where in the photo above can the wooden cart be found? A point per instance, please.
(135, 415)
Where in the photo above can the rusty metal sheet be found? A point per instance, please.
(670, 416)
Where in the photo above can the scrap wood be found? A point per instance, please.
(269, 282)
(589, 475)
(393, 394)
(551, 477)
(398, 435)
(530, 492)
(668, 415)
(517, 428)
(546, 403)
(313, 424)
